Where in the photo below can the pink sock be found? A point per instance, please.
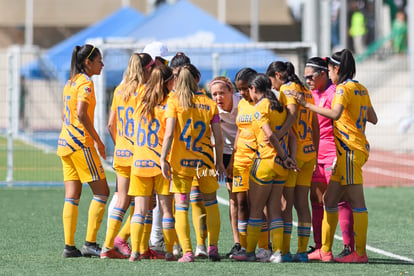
(346, 222)
(317, 216)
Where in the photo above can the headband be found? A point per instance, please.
(335, 61)
(149, 64)
(222, 82)
(90, 53)
(316, 66)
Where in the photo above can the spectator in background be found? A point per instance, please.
(399, 32)
(357, 29)
(335, 8)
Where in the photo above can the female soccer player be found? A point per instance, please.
(323, 91)
(268, 173)
(146, 175)
(191, 116)
(77, 144)
(306, 129)
(351, 109)
(122, 129)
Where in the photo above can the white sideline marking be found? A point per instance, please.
(389, 173)
(370, 248)
(378, 157)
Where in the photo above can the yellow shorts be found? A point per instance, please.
(348, 167)
(182, 184)
(267, 172)
(302, 177)
(124, 171)
(195, 182)
(84, 165)
(145, 186)
(241, 175)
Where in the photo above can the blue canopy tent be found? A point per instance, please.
(185, 23)
(55, 63)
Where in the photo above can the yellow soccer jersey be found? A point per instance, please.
(148, 142)
(191, 149)
(263, 114)
(246, 142)
(349, 129)
(73, 135)
(303, 125)
(125, 129)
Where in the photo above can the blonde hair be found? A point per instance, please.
(156, 90)
(185, 87)
(133, 76)
(222, 80)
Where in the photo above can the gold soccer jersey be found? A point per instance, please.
(125, 129)
(73, 135)
(148, 142)
(303, 125)
(192, 150)
(246, 142)
(349, 129)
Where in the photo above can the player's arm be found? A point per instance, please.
(82, 113)
(372, 116)
(229, 169)
(290, 120)
(166, 147)
(218, 138)
(315, 132)
(334, 113)
(112, 125)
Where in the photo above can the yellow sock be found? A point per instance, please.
(276, 234)
(168, 231)
(360, 230)
(125, 231)
(143, 246)
(287, 232)
(182, 227)
(137, 228)
(254, 228)
(264, 236)
(329, 222)
(303, 236)
(95, 215)
(213, 221)
(70, 218)
(115, 222)
(242, 229)
(199, 216)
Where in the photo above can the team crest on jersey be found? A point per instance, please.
(257, 115)
(88, 90)
(340, 91)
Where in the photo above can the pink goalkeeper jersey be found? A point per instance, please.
(327, 149)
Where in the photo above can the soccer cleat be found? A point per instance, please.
(346, 251)
(90, 250)
(236, 248)
(300, 257)
(71, 252)
(122, 246)
(287, 258)
(169, 257)
(353, 257)
(158, 247)
(242, 255)
(213, 254)
(276, 257)
(263, 255)
(107, 253)
(319, 255)
(311, 249)
(134, 257)
(201, 252)
(177, 250)
(155, 255)
(187, 258)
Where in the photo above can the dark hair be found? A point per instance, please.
(264, 84)
(79, 55)
(318, 64)
(346, 62)
(146, 59)
(179, 60)
(287, 71)
(245, 74)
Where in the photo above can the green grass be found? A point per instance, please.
(32, 240)
(32, 164)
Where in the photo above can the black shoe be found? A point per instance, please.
(91, 249)
(71, 252)
(345, 252)
(236, 248)
(311, 249)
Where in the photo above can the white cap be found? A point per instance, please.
(157, 49)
